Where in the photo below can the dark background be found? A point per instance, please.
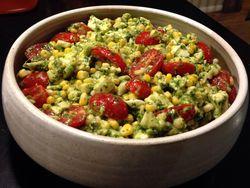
(17, 170)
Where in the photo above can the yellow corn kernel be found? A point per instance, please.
(184, 41)
(132, 96)
(128, 62)
(130, 118)
(92, 70)
(156, 88)
(65, 87)
(141, 27)
(168, 94)
(50, 65)
(191, 48)
(83, 99)
(198, 95)
(82, 75)
(78, 82)
(50, 100)
(148, 28)
(113, 123)
(45, 53)
(150, 107)
(46, 106)
(52, 43)
(116, 81)
(208, 107)
(175, 100)
(63, 94)
(176, 34)
(146, 77)
(192, 79)
(169, 55)
(88, 80)
(199, 67)
(67, 50)
(127, 130)
(122, 42)
(55, 52)
(137, 53)
(22, 73)
(168, 78)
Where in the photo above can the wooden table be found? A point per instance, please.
(17, 170)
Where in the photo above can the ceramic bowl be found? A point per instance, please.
(111, 162)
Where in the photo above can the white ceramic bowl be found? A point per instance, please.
(103, 161)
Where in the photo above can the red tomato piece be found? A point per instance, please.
(34, 50)
(82, 28)
(74, 116)
(140, 88)
(178, 68)
(169, 118)
(35, 78)
(110, 105)
(221, 80)
(48, 112)
(145, 39)
(103, 54)
(232, 95)
(208, 55)
(186, 111)
(66, 36)
(37, 93)
(149, 62)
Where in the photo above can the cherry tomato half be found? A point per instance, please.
(35, 78)
(145, 39)
(186, 111)
(177, 68)
(110, 105)
(140, 88)
(149, 63)
(232, 95)
(74, 116)
(34, 50)
(66, 36)
(37, 93)
(208, 55)
(103, 54)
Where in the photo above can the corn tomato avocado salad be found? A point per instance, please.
(126, 78)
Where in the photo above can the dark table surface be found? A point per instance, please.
(17, 170)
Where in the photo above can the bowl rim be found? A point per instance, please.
(230, 112)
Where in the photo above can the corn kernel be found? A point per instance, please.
(141, 27)
(199, 67)
(146, 77)
(169, 55)
(22, 73)
(50, 100)
(137, 53)
(208, 107)
(128, 62)
(122, 42)
(191, 48)
(150, 107)
(192, 79)
(46, 106)
(184, 41)
(82, 75)
(156, 89)
(130, 118)
(127, 130)
(44, 53)
(175, 100)
(111, 45)
(65, 87)
(63, 94)
(83, 99)
(148, 28)
(113, 123)
(88, 80)
(132, 96)
(55, 52)
(92, 70)
(168, 94)
(168, 78)
(125, 97)
(116, 81)
(78, 82)
(67, 50)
